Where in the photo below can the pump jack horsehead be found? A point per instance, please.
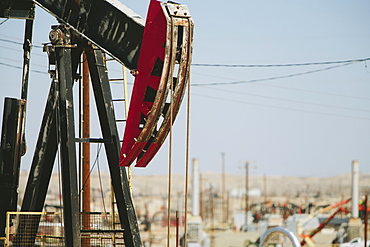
(161, 78)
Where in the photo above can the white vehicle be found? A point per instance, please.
(356, 242)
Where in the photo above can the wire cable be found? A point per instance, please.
(19, 67)
(170, 167)
(315, 92)
(282, 108)
(100, 182)
(91, 169)
(279, 65)
(15, 60)
(289, 100)
(13, 49)
(187, 164)
(18, 43)
(271, 78)
(291, 88)
(1, 23)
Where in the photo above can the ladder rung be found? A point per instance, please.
(116, 79)
(118, 100)
(120, 120)
(94, 140)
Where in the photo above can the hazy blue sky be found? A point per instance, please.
(308, 125)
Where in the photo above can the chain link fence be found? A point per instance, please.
(38, 229)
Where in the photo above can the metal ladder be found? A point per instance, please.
(120, 120)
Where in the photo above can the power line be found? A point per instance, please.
(1, 23)
(14, 60)
(18, 43)
(293, 101)
(271, 78)
(20, 39)
(280, 107)
(12, 49)
(340, 62)
(19, 67)
(290, 88)
(237, 65)
(41, 72)
(315, 92)
(279, 65)
(10, 37)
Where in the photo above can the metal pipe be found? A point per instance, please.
(86, 134)
(269, 233)
(86, 207)
(320, 211)
(321, 226)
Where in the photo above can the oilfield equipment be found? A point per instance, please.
(157, 52)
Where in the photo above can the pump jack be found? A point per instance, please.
(77, 33)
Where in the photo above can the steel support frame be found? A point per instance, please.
(58, 129)
(104, 104)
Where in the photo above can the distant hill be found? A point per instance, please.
(339, 185)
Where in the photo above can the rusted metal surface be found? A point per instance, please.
(154, 125)
(150, 86)
(183, 48)
(85, 149)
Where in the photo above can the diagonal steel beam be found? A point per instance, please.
(103, 98)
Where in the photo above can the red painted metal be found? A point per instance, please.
(321, 226)
(166, 43)
(152, 50)
(183, 48)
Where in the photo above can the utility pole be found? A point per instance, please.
(246, 191)
(246, 167)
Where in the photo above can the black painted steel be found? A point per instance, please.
(109, 25)
(11, 150)
(44, 156)
(41, 169)
(57, 127)
(68, 147)
(17, 9)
